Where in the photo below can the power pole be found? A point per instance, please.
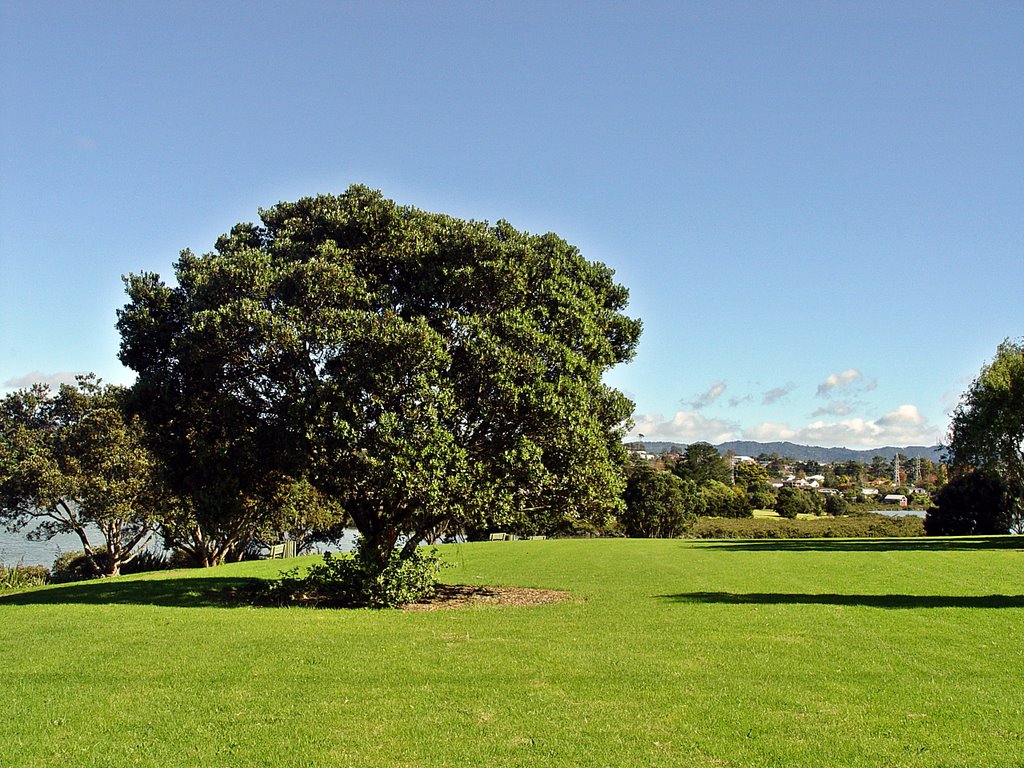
(896, 471)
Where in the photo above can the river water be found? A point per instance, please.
(897, 512)
(15, 548)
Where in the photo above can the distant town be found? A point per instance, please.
(900, 477)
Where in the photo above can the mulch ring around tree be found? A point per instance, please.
(449, 596)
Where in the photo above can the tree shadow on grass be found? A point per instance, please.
(903, 544)
(869, 601)
(173, 592)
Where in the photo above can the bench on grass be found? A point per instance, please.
(281, 550)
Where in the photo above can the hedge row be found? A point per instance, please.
(857, 526)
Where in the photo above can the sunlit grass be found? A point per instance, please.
(801, 653)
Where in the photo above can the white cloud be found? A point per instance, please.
(768, 432)
(38, 377)
(684, 427)
(776, 394)
(839, 380)
(702, 401)
(903, 426)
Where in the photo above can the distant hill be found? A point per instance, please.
(807, 452)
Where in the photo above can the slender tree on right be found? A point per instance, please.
(987, 431)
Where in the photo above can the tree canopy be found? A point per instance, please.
(702, 463)
(987, 430)
(72, 462)
(419, 370)
(658, 504)
(977, 503)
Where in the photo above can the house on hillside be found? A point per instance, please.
(895, 498)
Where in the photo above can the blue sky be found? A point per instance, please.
(817, 207)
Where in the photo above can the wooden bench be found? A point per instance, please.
(282, 550)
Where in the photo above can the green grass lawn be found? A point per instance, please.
(815, 652)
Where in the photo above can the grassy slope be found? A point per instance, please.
(803, 653)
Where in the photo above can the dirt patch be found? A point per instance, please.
(461, 596)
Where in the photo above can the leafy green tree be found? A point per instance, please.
(987, 430)
(854, 471)
(835, 505)
(721, 500)
(880, 468)
(421, 371)
(71, 462)
(749, 474)
(753, 479)
(809, 467)
(776, 464)
(977, 503)
(657, 504)
(702, 463)
(797, 501)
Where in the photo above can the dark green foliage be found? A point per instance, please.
(75, 566)
(702, 464)
(423, 373)
(754, 480)
(763, 496)
(835, 505)
(987, 430)
(658, 504)
(797, 501)
(825, 527)
(356, 580)
(976, 503)
(721, 500)
(72, 566)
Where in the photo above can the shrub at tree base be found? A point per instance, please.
(861, 526)
(75, 566)
(357, 581)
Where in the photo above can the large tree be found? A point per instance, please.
(72, 462)
(658, 504)
(702, 463)
(976, 503)
(420, 370)
(987, 430)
